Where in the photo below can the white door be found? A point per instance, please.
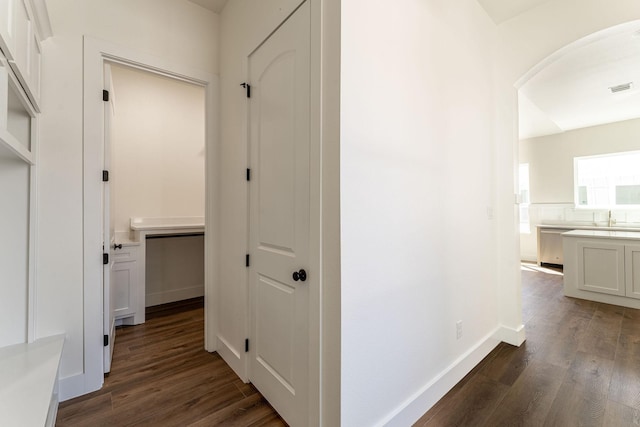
(108, 235)
(279, 217)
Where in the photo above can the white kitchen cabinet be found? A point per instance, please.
(124, 280)
(632, 270)
(603, 266)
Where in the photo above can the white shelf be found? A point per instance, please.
(151, 225)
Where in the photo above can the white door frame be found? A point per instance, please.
(96, 52)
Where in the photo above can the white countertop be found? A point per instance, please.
(587, 227)
(604, 234)
(27, 378)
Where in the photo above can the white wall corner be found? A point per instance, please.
(513, 336)
(420, 402)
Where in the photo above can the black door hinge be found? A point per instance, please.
(246, 345)
(105, 259)
(105, 95)
(105, 340)
(246, 261)
(248, 174)
(247, 86)
(105, 176)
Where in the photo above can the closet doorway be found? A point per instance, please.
(154, 194)
(97, 242)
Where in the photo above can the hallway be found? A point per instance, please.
(162, 376)
(579, 366)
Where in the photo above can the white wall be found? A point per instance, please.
(417, 195)
(551, 157)
(178, 31)
(157, 147)
(551, 175)
(174, 269)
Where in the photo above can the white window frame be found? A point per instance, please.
(611, 187)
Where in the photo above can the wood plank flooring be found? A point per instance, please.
(162, 376)
(580, 366)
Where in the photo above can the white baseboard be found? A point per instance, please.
(529, 258)
(416, 406)
(511, 336)
(73, 386)
(172, 295)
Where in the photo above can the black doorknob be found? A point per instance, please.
(300, 275)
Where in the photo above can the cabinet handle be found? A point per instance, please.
(117, 246)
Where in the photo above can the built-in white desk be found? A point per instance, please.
(136, 243)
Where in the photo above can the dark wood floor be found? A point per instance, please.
(580, 366)
(162, 376)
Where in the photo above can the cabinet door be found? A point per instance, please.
(124, 282)
(22, 34)
(7, 28)
(24, 47)
(632, 270)
(601, 267)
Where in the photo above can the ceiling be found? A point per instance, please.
(573, 90)
(503, 10)
(213, 5)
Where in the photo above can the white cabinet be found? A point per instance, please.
(124, 282)
(632, 270)
(603, 266)
(20, 45)
(17, 192)
(7, 28)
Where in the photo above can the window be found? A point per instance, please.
(523, 184)
(607, 181)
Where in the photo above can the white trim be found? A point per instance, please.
(71, 387)
(421, 401)
(96, 52)
(41, 17)
(511, 336)
(584, 41)
(315, 215)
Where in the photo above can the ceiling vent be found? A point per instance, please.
(621, 88)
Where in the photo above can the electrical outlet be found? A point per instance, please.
(459, 329)
(489, 212)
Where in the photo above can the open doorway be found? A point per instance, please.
(582, 102)
(154, 201)
(96, 54)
